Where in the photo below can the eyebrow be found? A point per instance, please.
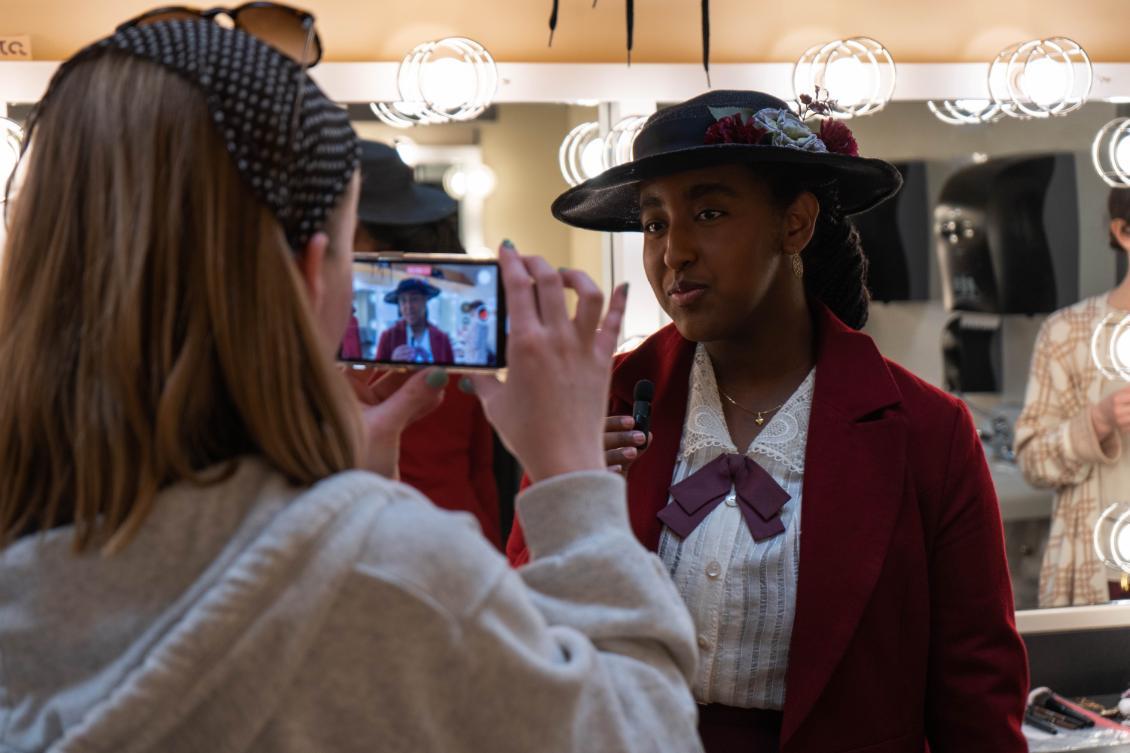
(697, 191)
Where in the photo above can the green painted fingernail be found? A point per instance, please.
(562, 270)
(507, 242)
(437, 378)
(467, 386)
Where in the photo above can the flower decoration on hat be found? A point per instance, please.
(784, 128)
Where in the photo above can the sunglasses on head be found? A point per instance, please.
(289, 30)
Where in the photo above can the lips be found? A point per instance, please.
(685, 292)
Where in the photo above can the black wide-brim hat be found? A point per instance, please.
(412, 285)
(391, 196)
(673, 140)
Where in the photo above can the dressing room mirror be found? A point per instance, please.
(505, 170)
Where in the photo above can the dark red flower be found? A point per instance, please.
(838, 138)
(731, 130)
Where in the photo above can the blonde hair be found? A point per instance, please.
(153, 323)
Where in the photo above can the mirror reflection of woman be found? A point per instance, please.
(827, 516)
(413, 339)
(1071, 434)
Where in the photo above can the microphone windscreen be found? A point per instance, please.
(644, 391)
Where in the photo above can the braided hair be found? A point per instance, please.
(835, 267)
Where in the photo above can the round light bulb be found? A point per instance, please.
(974, 107)
(847, 81)
(476, 181)
(1120, 349)
(1122, 154)
(1122, 542)
(408, 150)
(448, 83)
(1045, 81)
(592, 158)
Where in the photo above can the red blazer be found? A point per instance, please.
(397, 335)
(449, 456)
(904, 633)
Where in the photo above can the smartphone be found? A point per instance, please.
(419, 310)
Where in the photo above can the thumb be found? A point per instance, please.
(485, 386)
(414, 398)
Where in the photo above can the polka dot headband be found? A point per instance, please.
(251, 90)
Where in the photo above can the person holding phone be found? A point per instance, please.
(413, 339)
(827, 516)
(396, 213)
(192, 557)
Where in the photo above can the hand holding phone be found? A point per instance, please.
(391, 401)
(550, 410)
(412, 311)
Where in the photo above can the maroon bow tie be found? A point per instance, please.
(759, 497)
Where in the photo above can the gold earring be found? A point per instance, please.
(798, 265)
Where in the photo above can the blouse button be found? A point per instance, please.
(703, 643)
(713, 570)
(731, 501)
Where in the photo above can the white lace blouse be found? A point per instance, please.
(741, 593)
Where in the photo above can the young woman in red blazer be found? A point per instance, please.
(846, 572)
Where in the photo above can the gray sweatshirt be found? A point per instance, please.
(351, 616)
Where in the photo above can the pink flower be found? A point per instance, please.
(732, 130)
(838, 138)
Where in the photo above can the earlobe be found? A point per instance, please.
(311, 264)
(801, 223)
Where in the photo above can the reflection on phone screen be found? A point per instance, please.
(408, 312)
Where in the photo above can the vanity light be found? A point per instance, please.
(581, 155)
(11, 137)
(1110, 347)
(1041, 78)
(620, 140)
(475, 181)
(451, 79)
(1111, 537)
(408, 150)
(858, 74)
(1110, 153)
(1120, 348)
(405, 114)
(966, 111)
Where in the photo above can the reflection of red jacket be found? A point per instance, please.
(449, 456)
(397, 335)
(351, 343)
(904, 632)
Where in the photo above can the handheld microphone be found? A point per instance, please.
(641, 406)
(1047, 699)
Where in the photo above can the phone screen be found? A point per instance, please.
(421, 311)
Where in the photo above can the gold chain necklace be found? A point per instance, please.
(759, 415)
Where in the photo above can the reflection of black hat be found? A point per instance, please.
(412, 285)
(674, 140)
(390, 196)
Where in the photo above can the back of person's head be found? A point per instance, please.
(397, 213)
(1118, 205)
(154, 323)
